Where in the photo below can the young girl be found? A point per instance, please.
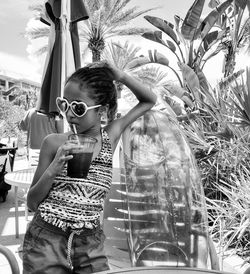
(65, 234)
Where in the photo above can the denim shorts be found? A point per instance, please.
(49, 250)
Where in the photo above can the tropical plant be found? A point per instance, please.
(225, 82)
(107, 18)
(237, 25)
(10, 116)
(25, 98)
(241, 102)
(230, 216)
(192, 41)
(122, 56)
(219, 136)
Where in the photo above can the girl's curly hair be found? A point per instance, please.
(100, 80)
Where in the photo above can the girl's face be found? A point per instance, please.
(90, 122)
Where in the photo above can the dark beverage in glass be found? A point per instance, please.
(78, 166)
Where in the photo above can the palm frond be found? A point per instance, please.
(153, 75)
(38, 8)
(120, 54)
(124, 32)
(126, 16)
(36, 33)
(113, 7)
(92, 6)
(41, 50)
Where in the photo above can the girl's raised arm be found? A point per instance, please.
(143, 93)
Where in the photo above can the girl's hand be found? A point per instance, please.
(117, 73)
(63, 155)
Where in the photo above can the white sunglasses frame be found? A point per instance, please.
(69, 105)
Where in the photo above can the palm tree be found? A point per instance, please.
(107, 18)
(120, 55)
(123, 56)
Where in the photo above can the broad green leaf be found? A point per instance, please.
(213, 3)
(241, 3)
(202, 79)
(209, 39)
(163, 25)
(190, 78)
(188, 101)
(177, 21)
(154, 57)
(192, 20)
(175, 90)
(155, 36)
(248, 6)
(137, 62)
(199, 55)
(171, 45)
(180, 92)
(151, 56)
(212, 18)
(160, 58)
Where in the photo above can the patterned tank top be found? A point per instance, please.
(76, 203)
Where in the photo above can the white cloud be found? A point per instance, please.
(20, 67)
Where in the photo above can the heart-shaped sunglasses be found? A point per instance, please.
(79, 109)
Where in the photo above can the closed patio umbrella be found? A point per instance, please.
(63, 55)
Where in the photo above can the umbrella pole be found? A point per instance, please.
(64, 20)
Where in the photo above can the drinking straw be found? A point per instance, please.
(75, 132)
(74, 128)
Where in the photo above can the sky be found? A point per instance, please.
(16, 51)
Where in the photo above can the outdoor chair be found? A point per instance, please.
(33, 157)
(11, 259)
(7, 156)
